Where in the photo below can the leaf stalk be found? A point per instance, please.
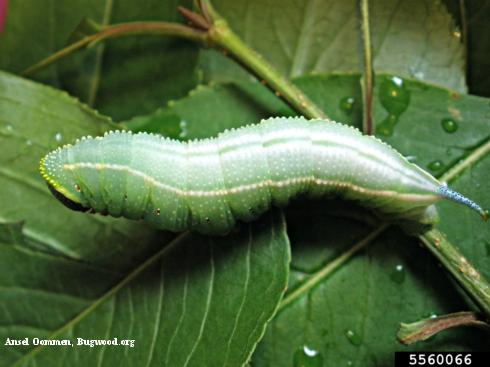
(122, 30)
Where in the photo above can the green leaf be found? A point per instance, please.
(72, 275)
(193, 303)
(121, 78)
(409, 39)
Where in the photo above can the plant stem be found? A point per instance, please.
(223, 37)
(367, 79)
(476, 286)
(120, 30)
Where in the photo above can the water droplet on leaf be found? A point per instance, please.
(395, 98)
(435, 166)
(307, 357)
(347, 104)
(58, 137)
(387, 126)
(429, 315)
(449, 125)
(398, 274)
(354, 338)
(7, 129)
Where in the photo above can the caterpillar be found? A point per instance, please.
(208, 185)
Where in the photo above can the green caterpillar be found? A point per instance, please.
(207, 185)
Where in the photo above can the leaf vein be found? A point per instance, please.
(244, 297)
(206, 310)
(158, 317)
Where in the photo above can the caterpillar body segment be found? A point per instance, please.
(208, 185)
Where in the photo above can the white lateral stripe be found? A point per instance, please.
(423, 198)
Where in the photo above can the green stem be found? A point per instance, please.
(465, 274)
(221, 34)
(120, 30)
(223, 37)
(367, 79)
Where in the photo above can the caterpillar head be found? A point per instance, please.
(61, 184)
(73, 205)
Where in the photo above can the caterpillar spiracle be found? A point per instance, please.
(208, 185)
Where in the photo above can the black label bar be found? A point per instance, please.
(442, 359)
